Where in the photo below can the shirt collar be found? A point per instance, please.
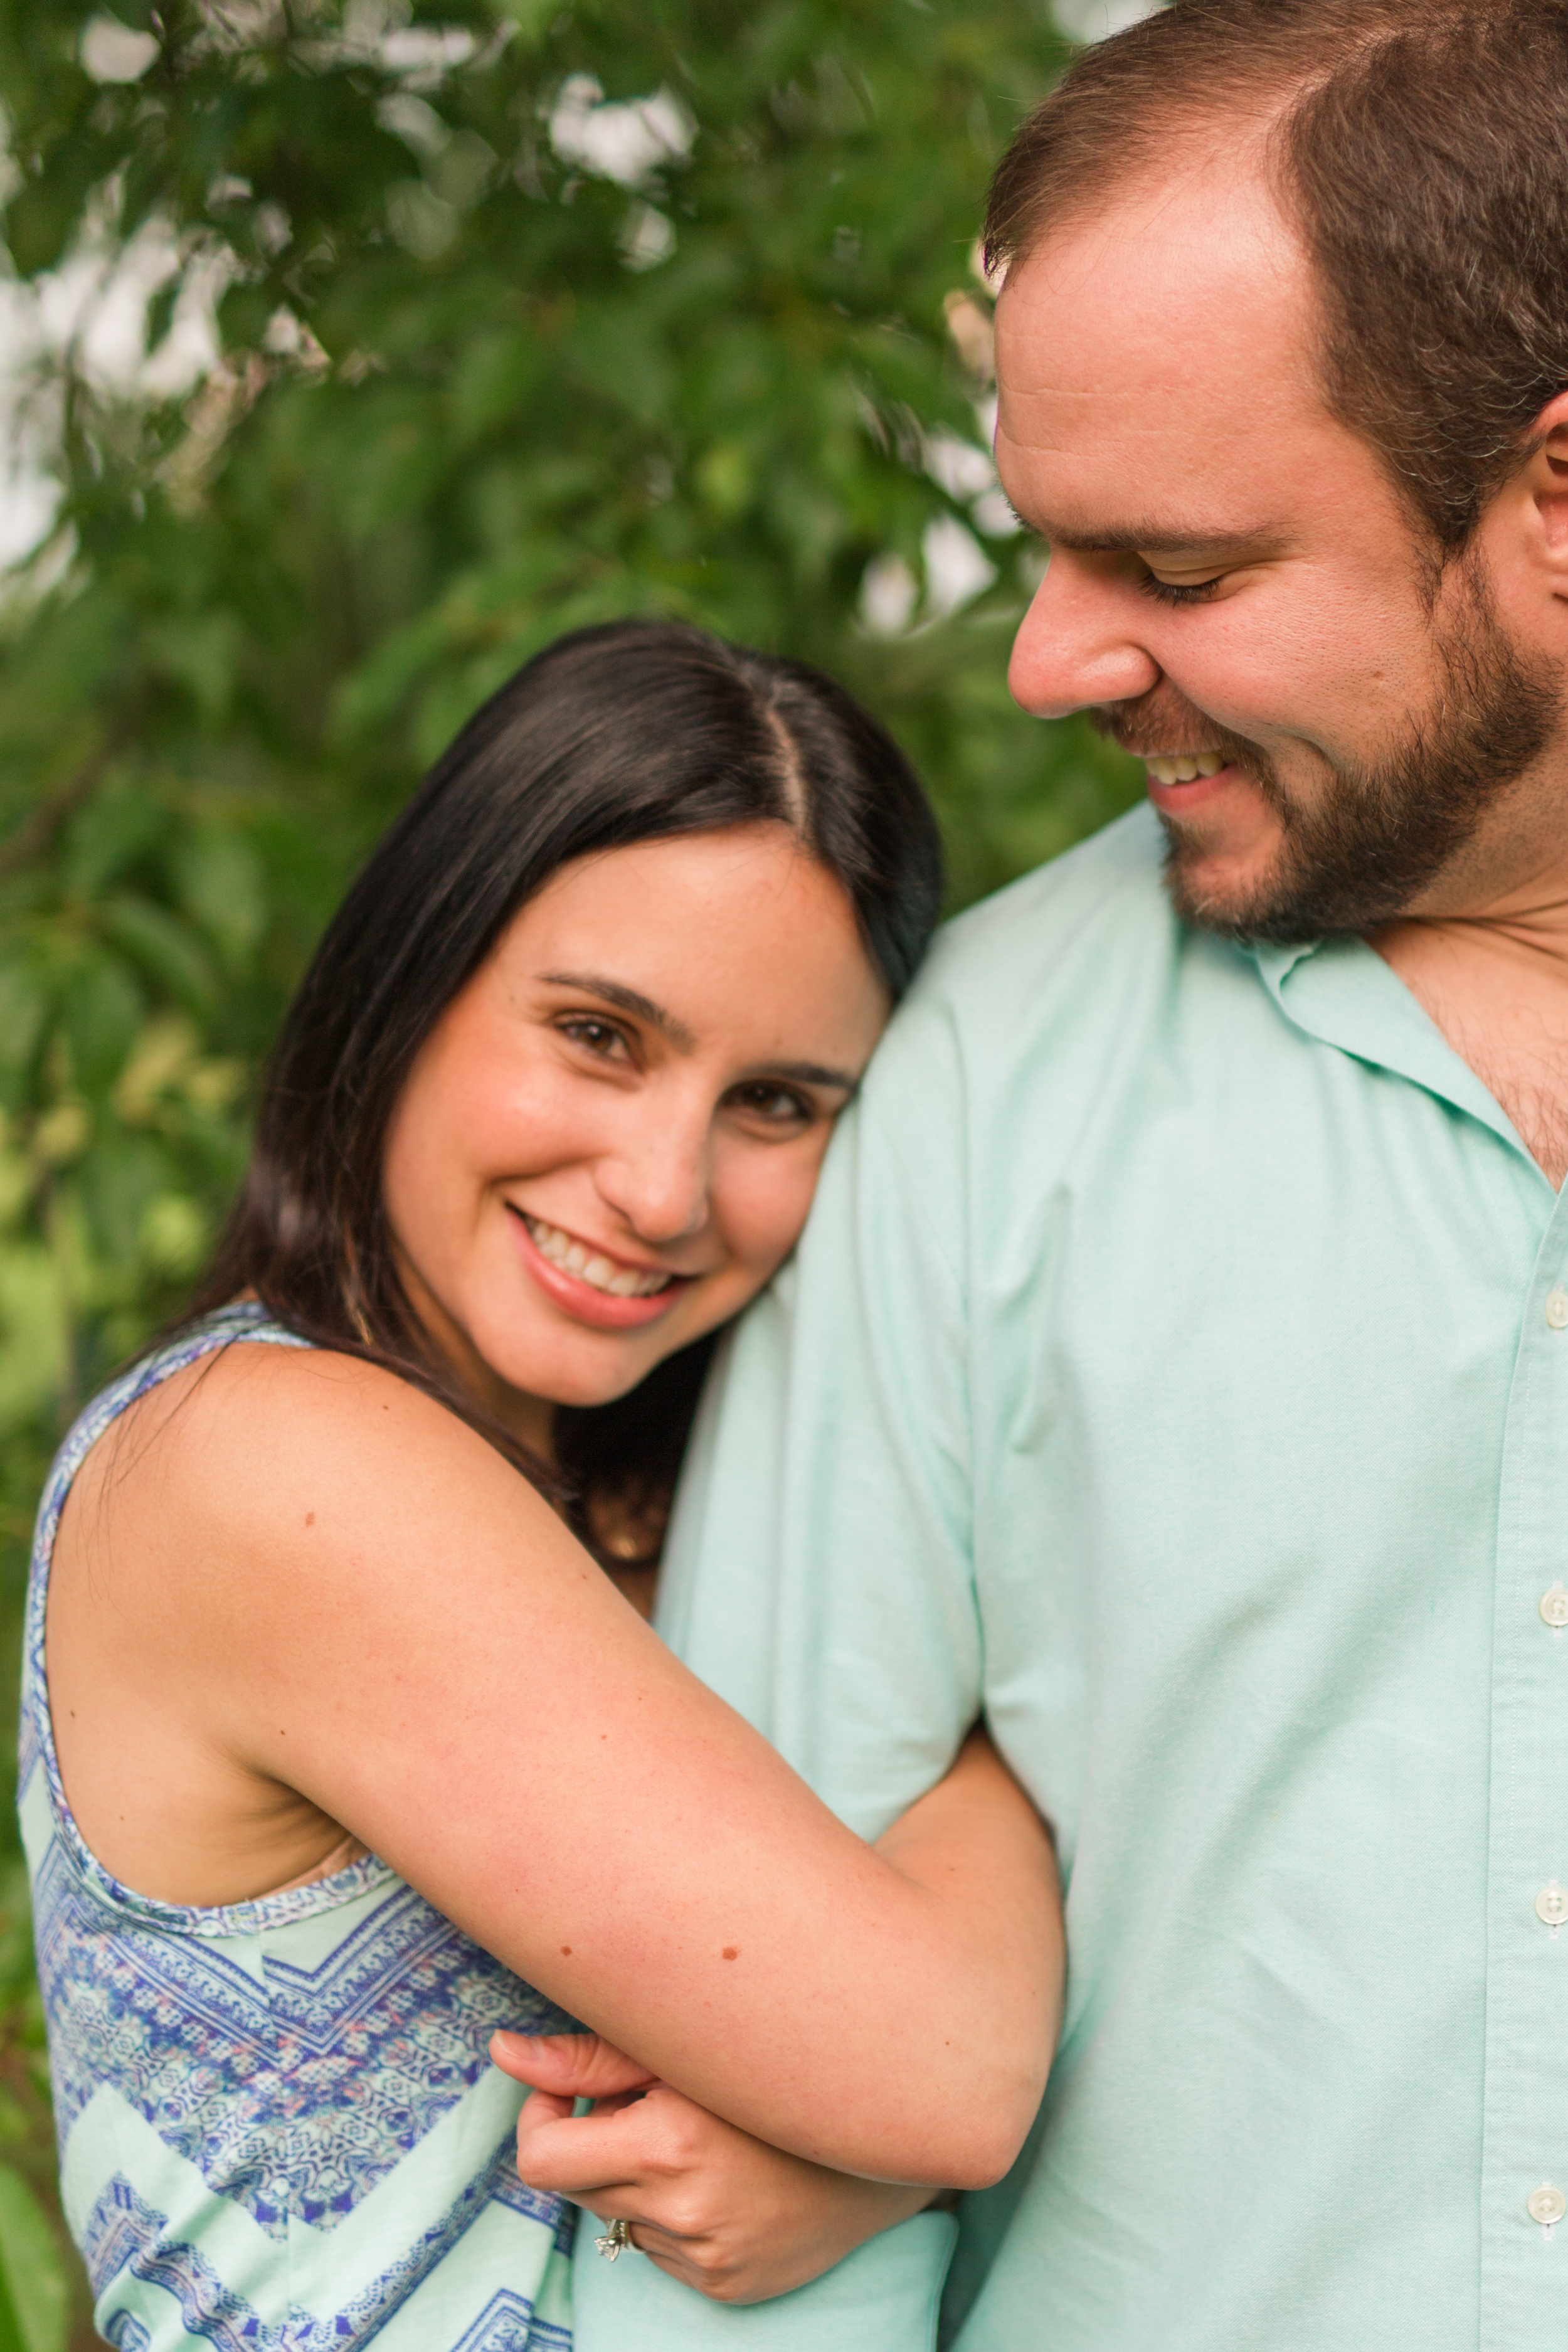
(1343, 991)
(1276, 962)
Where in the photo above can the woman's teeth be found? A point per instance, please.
(601, 1273)
(1186, 769)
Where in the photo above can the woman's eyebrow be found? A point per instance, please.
(811, 1073)
(627, 999)
(643, 1008)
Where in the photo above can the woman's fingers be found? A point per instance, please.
(686, 2260)
(544, 2104)
(718, 2210)
(568, 2065)
(579, 2157)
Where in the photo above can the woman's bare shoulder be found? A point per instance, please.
(260, 1558)
(229, 1464)
(256, 1401)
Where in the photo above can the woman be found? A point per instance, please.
(340, 1751)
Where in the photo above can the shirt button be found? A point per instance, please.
(1554, 1606)
(1557, 1309)
(1551, 1909)
(1546, 2205)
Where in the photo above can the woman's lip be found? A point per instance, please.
(1180, 799)
(580, 1299)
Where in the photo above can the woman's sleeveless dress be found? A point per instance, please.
(279, 2128)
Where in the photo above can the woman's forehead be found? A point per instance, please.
(698, 935)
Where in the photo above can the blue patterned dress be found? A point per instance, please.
(279, 2128)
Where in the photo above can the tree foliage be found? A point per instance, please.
(524, 315)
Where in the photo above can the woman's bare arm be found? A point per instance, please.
(738, 2220)
(330, 1587)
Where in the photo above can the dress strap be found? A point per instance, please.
(248, 1322)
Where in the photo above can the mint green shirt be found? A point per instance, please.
(1176, 1366)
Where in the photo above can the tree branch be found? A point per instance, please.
(37, 832)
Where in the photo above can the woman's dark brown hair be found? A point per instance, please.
(634, 731)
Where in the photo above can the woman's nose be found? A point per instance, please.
(1077, 645)
(657, 1178)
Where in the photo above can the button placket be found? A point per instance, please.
(1526, 2118)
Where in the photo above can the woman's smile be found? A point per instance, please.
(610, 1138)
(590, 1283)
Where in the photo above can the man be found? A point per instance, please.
(1177, 1363)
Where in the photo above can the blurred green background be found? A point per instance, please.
(350, 350)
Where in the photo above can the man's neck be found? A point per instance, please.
(1493, 975)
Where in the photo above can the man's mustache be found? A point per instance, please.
(1162, 723)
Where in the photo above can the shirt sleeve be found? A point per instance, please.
(884, 2297)
(819, 1574)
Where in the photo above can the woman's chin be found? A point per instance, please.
(576, 1368)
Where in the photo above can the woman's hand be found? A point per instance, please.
(718, 2209)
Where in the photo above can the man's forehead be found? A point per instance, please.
(1198, 294)
(1157, 381)
(1206, 220)
(1161, 469)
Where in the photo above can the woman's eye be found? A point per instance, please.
(601, 1037)
(1171, 592)
(779, 1105)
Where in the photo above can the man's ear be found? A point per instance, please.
(1544, 489)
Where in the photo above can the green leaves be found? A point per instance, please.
(222, 885)
(33, 2291)
(34, 1329)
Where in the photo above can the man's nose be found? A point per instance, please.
(657, 1178)
(1077, 646)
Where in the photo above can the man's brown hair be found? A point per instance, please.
(1419, 148)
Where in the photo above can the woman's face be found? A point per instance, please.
(610, 1138)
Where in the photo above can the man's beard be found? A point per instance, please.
(1384, 829)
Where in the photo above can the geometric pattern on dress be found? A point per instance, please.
(292, 2087)
(128, 2335)
(536, 2204)
(507, 2324)
(293, 2098)
(125, 2235)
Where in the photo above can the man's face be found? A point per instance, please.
(1235, 591)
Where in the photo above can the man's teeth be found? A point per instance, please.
(1187, 768)
(620, 1281)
